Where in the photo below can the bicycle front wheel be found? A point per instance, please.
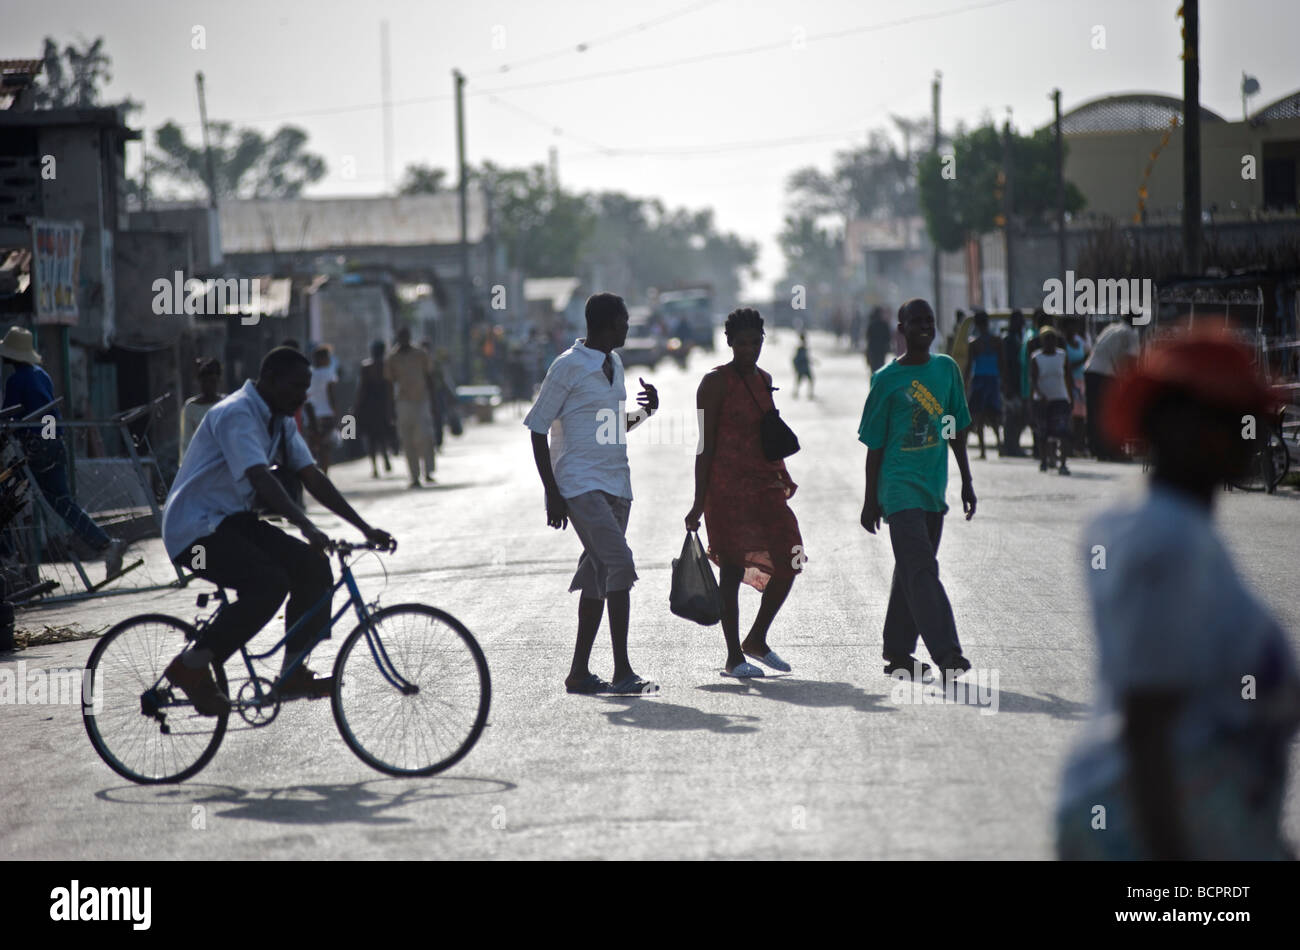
(411, 690)
(1267, 467)
(146, 729)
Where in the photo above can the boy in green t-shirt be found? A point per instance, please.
(917, 404)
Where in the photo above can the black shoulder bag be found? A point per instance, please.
(777, 438)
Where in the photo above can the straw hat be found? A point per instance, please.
(1209, 366)
(17, 345)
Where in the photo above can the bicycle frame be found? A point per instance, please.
(377, 651)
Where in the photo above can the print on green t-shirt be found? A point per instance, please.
(904, 416)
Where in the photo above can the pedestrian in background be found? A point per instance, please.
(753, 534)
(322, 400)
(1076, 355)
(1115, 347)
(1054, 399)
(984, 379)
(208, 373)
(916, 404)
(803, 366)
(408, 368)
(879, 336)
(374, 408)
(585, 474)
(31, 388)
(1013, 415)
(1198, 696)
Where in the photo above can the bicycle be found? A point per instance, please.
(416, 710)
(1270, 462)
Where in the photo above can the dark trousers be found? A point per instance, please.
(1013, 423)
(53, 483)
(918, 604)
(261, 564)
(1095, 387)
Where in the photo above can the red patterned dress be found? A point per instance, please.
(745, 512)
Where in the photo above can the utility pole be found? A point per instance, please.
(1060, 187)
(459, 81)
(935, 264)
(1191, 138)
(207, 145)
(386, 83)
(1008, 206)
(553, 158)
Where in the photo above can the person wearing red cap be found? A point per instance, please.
(1198, 692)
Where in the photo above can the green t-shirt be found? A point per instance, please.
(904, 415)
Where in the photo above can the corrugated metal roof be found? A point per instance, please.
(252, 226)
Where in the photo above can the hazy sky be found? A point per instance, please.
(712, 103)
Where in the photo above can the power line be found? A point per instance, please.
(585, 77)
(555, 129)
(746, 51)
(608, 37)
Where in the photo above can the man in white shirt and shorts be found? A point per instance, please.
(587, 480)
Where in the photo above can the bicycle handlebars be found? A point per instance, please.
(347, 547)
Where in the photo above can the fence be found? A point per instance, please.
(111, 473)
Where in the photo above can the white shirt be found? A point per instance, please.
(1170, 613)
(586, 416)
(1051, 375)
(1117, 341)
(318, 393)
(211, 484)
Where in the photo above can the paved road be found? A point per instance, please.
(821, 763)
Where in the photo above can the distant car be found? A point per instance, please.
(644, 347)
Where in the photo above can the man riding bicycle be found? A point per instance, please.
(211, 527)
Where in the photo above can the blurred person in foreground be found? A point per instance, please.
(1198, 695)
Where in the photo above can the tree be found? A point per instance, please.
(813, 254)
(73, 78)
(967, 202)
(543, 228)
(421, 179)
(245, 163)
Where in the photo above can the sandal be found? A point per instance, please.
(589, 686)
(633, 686)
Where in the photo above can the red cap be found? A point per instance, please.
(1207, 364)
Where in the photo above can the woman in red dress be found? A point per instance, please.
(753, 534)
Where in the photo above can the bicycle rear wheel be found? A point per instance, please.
(146, 729)
(411, 690)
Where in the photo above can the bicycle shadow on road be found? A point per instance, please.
(371, 802)
(814, 693)
(654, 713)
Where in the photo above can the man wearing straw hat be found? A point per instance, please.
(30, 387)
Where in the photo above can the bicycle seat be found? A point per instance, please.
(219, 593)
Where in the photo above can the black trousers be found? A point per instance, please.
(261, 564)
(1095, 387)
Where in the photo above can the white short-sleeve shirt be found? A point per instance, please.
(585, 414)
(236, 434)
(1171, 614)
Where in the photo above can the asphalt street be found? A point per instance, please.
(820, 763)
